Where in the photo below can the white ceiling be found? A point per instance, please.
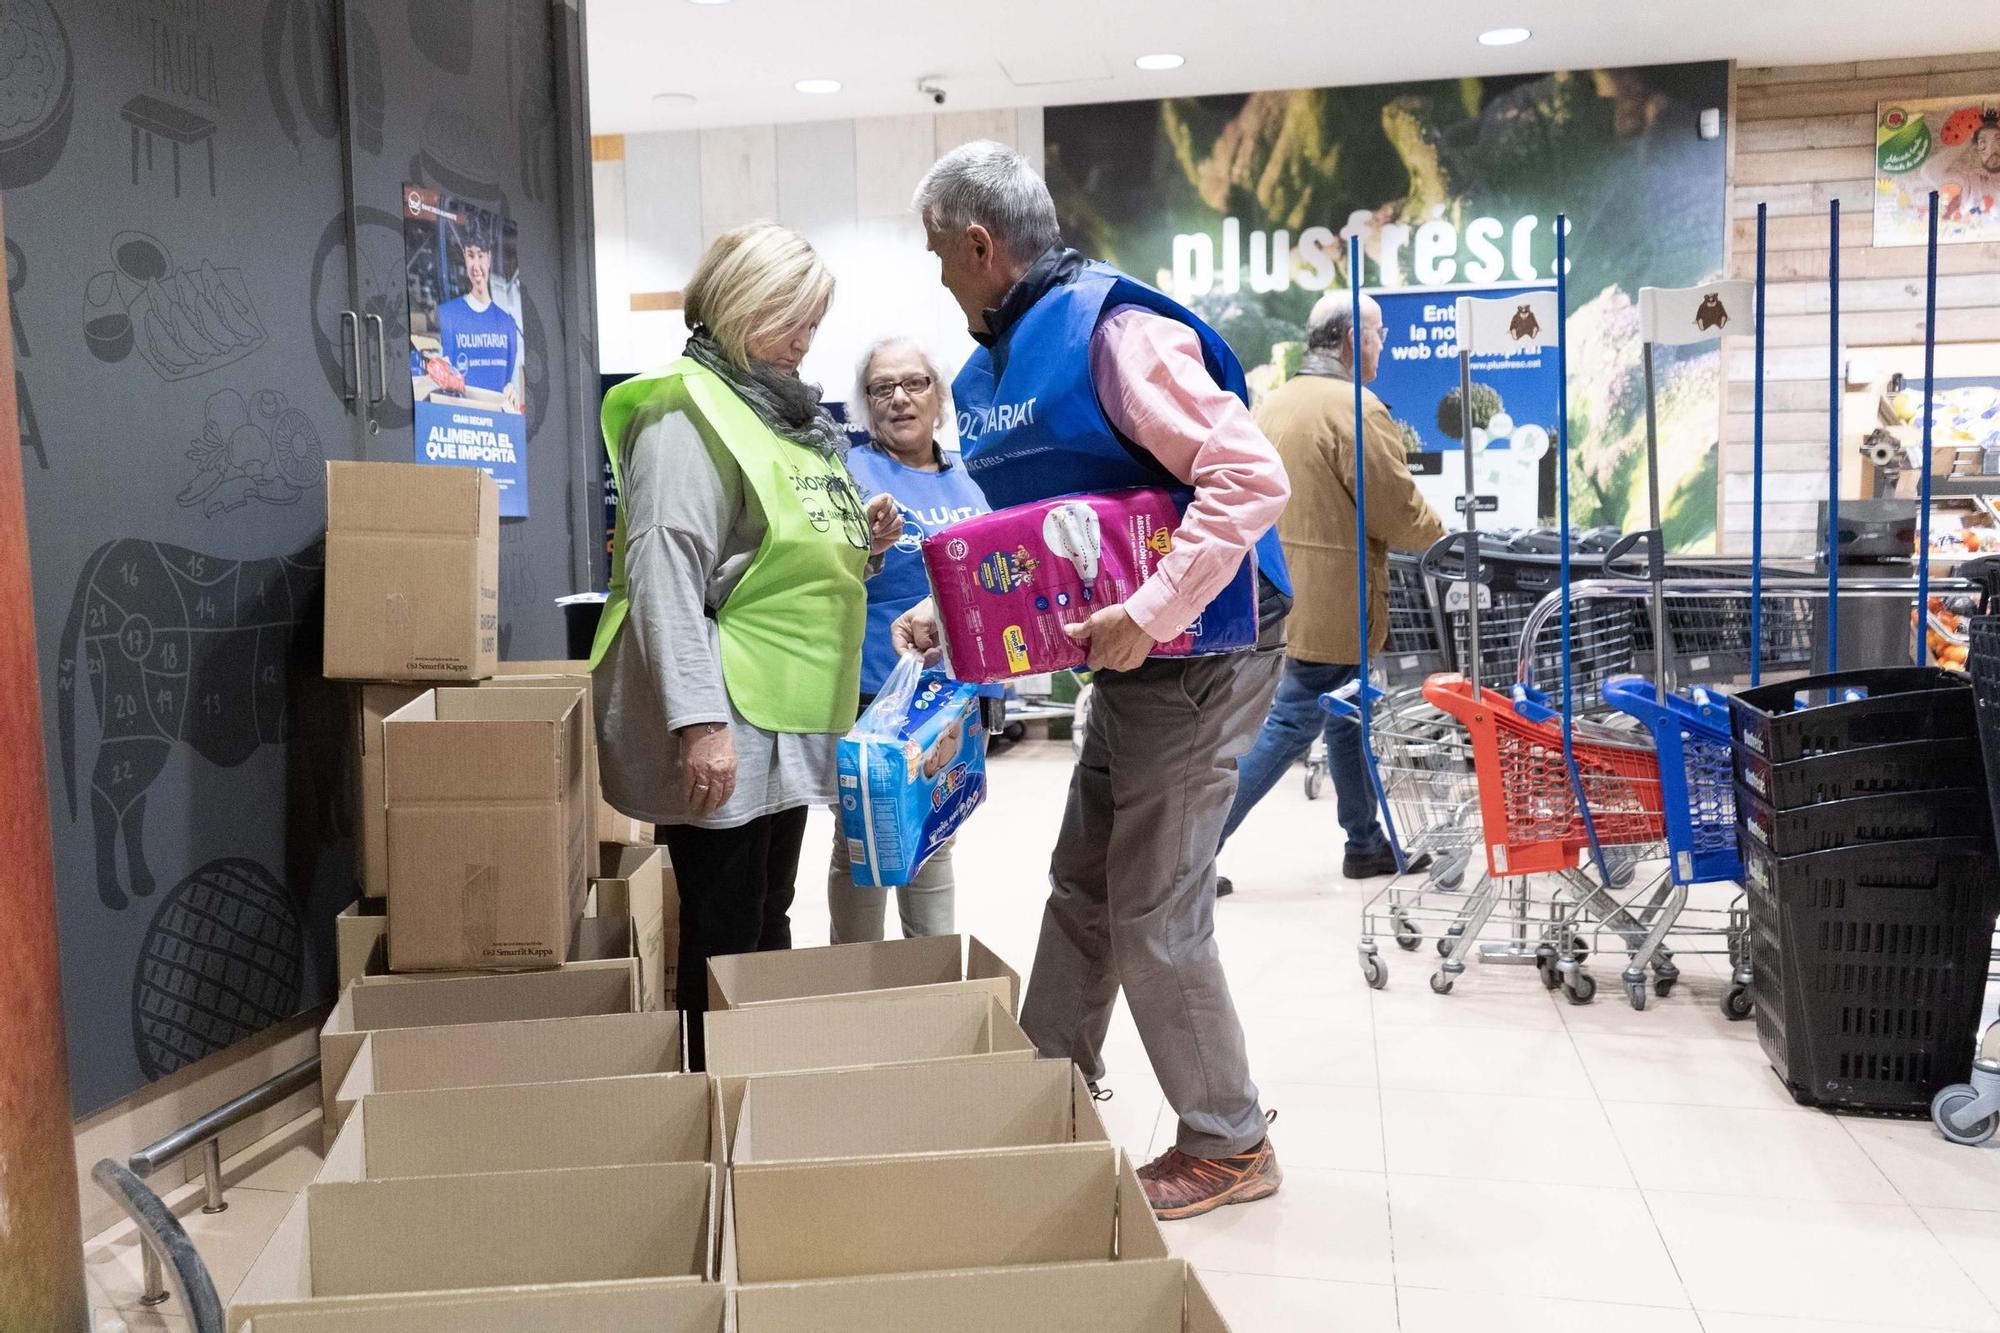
(740, 59)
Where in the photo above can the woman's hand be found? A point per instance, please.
(708, 766)
(885, 523)
(916, 631)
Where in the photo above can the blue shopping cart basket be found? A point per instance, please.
(1691, 733)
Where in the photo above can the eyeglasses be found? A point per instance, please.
(882, 391)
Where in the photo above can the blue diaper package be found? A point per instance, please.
(911, 770)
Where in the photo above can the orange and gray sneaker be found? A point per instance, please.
(1178, 1185)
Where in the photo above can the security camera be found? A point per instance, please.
(932, 91)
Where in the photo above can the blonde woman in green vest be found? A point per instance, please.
(727, 664)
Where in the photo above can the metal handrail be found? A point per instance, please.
(204, 1133)
(160, 1232)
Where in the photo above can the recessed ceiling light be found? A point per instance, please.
(1164, 60)
(1504, 36)
(818, 87)
(673, 99)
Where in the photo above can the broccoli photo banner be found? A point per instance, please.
(1241, 207)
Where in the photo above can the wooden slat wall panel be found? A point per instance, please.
(1803, 136)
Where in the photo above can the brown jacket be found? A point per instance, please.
(1311, 421)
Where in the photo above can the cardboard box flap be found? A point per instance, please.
(658, 1305)
(859, 1216)
(283, 1268)
(411, 500)
(523, 744)
(431, 1233)
(1150, 1296)
(1139, 1234)
(981, 964)
(620, 1121)
(492, 1054)
(374, 1006)
(894, 1029)
(912, 1109)
(837, 969)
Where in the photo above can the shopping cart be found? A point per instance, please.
(1416, 646)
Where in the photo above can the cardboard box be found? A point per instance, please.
(501, 1230)
(381, 1004)
(912, 1109)
(372, 844)
(611, 826)
(939, 963)
(864, 1216)
(496, 1054)
(637, 882)
(360, 941)
(630, 1121)
(660, 1305)
(1135, 1296)
(846, 1034)
(488, 828)
(412, 572)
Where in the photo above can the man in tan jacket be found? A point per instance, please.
(1310, 419)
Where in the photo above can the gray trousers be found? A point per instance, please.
(1132, 889)
(926, 904)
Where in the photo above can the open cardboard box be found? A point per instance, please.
(497, 1230)
(658, 1305)
(946, 1107)
(865, 1216)
(608, 825)
(638, 882)
(499, 1054)
(849, 971)
(489, 827)
(376, 1004)
(1136, 1296)
(361, 946)
(890, 1029)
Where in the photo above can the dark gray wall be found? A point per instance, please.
(180, 374)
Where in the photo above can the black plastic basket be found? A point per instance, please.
(1872, 770)
(1416, 646)
(1982, 664)
(1870, 967)
(1897, 704)
(1949, 813)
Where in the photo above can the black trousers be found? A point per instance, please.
(736, 889)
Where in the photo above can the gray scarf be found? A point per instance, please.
(784, 402)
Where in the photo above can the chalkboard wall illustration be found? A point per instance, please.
(264, 450)
(37, 93)
(224, 958)
(179, 646)
(183, 322)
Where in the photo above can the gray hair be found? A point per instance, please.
(1332, 320)
(857, 405)
(990, 184)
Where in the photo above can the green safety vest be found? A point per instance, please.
(792, 628)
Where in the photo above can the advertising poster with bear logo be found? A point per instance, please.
(466, 350)
(1947, 144)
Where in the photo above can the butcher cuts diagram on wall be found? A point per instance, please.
(224, 958)
(179, 646)
(183, 322)
(264, 449)
(37, 92)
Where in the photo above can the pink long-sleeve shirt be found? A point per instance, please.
(1156, 390)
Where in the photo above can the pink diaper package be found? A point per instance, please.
(1006, 583)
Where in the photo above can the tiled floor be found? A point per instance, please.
(1493, 1160)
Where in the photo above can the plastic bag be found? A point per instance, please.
(912, 769)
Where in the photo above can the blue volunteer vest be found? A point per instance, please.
(931, 502)
(1029, 423)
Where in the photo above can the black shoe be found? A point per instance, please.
(1223, 888)
(1369, 865)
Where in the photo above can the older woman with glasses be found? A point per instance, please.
(902, 399)
(727, 663)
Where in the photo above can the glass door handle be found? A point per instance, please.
(381, 363)
(352, 323)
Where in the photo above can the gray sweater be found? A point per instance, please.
(692, 527)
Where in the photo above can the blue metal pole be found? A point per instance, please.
(1757, 477)
(1361, 549)
(1562, 525)
(1833, 442)
(1924, 476)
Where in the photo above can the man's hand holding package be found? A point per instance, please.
(1116, 641)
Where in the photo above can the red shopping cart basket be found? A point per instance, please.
(1527, 806)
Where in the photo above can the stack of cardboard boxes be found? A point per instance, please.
(485, 843)
(875, 1148)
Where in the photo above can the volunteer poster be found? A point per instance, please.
(465, 340)
(1947, 144)
(1241, 206)
(1514, 404)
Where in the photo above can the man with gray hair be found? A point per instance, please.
(1087, 380)
(1310, 419)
